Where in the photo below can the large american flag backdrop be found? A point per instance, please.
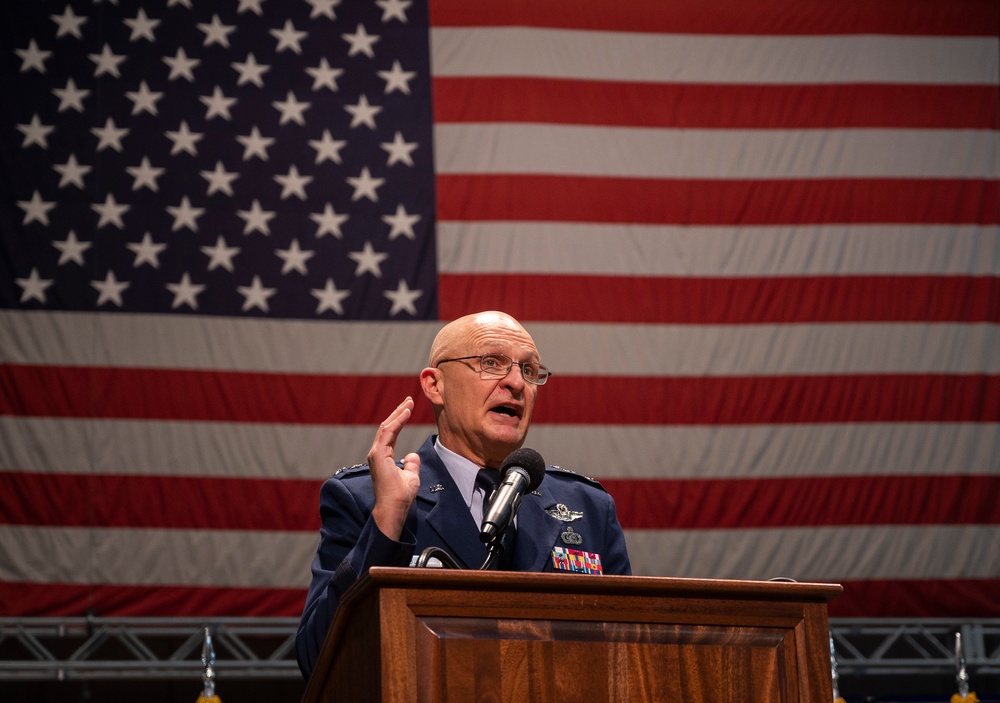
(757, 242)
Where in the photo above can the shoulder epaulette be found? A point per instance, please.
(341, 473)
(573, 474)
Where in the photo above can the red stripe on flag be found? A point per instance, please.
(218, 396)
(630, 400)
(536, 198)
(650, 504)
(525, 99)
(672, 300)
(180, 502)
(170, 394)
(112, 600)
(179, 394)
(76, 500)
(918, 598)
(768, 17)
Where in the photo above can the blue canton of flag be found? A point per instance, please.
(238, 158)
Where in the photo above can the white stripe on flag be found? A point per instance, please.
(190, 342)
(818, 554)
(715, 153)
(655, 250)
(156, 557)
(262, 451)
(281, 560)
(677, 58)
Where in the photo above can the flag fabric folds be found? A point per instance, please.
(757, 243)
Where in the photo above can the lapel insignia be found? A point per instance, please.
(571, 537)
(437, 487)
(561, 512)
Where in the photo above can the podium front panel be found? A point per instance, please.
(466, 636)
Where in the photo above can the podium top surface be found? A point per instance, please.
(644, 586)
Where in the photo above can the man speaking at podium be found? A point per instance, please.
(482, 379)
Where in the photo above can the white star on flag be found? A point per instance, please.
(36, 209)
(110, 289)
(256, 219)
(403, 299)
(256, 295)
(35, 133)
(291, 109)
(184, 140)
(144, 175)
(218, 105)
(144, 100)
(71, 172)
(255, 144)
(219, 179)
(399, 150)
(329, 222)
(69, 23)
(146, 252)
(185, 215)
(401, 223)
(293, 183)
(294, 258)
(330, 298)
(361, 42)
(250, 71)
(288, 38)
(363, 113)
(110, 212)
(216, 32)
(107, 62)
(110, 135)
(365, 186)
(368, 260)
(397, 78)
(181, 66)
(70, 97)
(324, 76)
(327, 148)
(33, 287)
(142, 27)
(71, 249)
(220, 255)
(185, 292)
(33, 57)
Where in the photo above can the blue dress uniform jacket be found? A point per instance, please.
(350, 541)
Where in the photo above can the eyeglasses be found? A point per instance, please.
(499, 365)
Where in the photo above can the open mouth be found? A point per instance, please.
(508, 410)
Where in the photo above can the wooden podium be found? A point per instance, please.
(460, 636)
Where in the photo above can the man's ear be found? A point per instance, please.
(432, 383)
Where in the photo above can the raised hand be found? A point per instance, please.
(395, 489)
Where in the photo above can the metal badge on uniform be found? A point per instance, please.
(437, 487)
(577, 561)
(561, 512)
(571, 537)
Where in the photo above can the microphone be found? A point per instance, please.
(522, 471)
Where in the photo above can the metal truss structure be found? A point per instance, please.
(264, 648)
(145, 648)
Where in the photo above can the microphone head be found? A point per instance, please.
(529, 460)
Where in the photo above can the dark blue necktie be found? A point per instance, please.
(488, 480)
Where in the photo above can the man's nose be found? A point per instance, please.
(515, 377)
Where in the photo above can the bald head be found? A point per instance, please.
(481, 416)
(455, 337)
